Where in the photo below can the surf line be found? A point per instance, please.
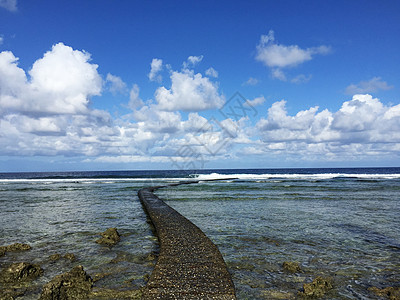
(189, 265)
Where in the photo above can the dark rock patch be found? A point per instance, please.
(115, 294)
(70, 256)
(291, 266)
(109, 237)
(392, 293)
(14, 247)
(55, 257)
(75, 284)
(317, 288)
(18, 272)
(11, 293)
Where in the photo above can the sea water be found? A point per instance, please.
(336, 223)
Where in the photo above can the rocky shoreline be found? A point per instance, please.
(19, 279)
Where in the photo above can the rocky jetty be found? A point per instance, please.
(75, 284)
(189, 265)
(110, 237)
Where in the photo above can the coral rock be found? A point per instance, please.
(109, 237)
(20, 272)
(317, 288)
(291, 266)
(75, 284)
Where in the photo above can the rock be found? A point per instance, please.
(115, 294)
(70, 256)
(55, 257)
(392, 293)
(109, 237)
(22, 271)
(75, 284)
(317, 288)
(291, 266)
(18, 247)
(276, 294)
(98, 276)
(11, 293)
(14, 247)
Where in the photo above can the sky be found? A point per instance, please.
(133, 85)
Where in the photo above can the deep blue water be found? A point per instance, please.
(341, 223)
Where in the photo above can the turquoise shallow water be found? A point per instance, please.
(337, 223)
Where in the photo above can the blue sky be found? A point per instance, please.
(100, 85)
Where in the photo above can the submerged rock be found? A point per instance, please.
(55, 257)
(115, 294)
(291, 266)
(109, 237)
(317, 288)
(392, 293)
(14, 247)
(75, 284)
(70, 256)
(11, 293)
(22, 271)
(276, 294)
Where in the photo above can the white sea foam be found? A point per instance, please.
(87, 180)
(324, 176)
(211, 176)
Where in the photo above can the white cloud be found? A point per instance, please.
(301, 79)
(134, 100)
(363, 127)
(276, 56)
(60, 82)
(211, 72)
(189, 92)
(156, 66)
(192, 61)
(252, 81)
(10, 5)
(256, 101)
(47, 113)
(278, 74)
(116, 84)
(1, 40)
(370, 86)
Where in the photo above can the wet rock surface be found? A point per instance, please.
(392, 293)
(14, 247)
(115, 294)
(110, 237)
(75, 284)
(318, 288)
(55, 257)
(291, 266)
(18, 272)
(58, 256)
(70, 256)
(11, 293)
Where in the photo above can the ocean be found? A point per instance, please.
(341, 224)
